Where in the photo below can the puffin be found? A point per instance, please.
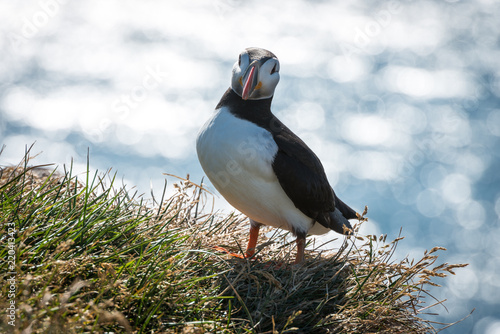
(260, 166)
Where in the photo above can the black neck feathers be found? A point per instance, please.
(255, 111)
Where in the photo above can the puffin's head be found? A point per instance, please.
(255, 74)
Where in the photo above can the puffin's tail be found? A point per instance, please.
(338, 220)
(345, 209)
(339, 223)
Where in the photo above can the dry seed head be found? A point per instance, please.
(435, 249)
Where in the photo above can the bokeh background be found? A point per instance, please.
(399, 99)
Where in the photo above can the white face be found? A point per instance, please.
(255, 74)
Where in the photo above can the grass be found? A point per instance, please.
(94, 257)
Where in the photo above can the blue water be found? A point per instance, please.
(400, 100)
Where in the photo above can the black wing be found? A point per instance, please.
(303, 177)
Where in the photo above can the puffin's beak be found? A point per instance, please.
(248, 85)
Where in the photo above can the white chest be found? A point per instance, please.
(237, 157)
(229, 147)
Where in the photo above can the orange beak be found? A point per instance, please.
(247, 87)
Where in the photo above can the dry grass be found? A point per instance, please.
(91, 258)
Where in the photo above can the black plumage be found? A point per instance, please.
(298, 169)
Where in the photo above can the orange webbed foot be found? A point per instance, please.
(223, 250)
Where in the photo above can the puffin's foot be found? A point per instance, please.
(252, 243)
(223, 250)
(301, 246)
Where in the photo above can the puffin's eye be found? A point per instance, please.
(274, 69)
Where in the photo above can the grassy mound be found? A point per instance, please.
(93, 258)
